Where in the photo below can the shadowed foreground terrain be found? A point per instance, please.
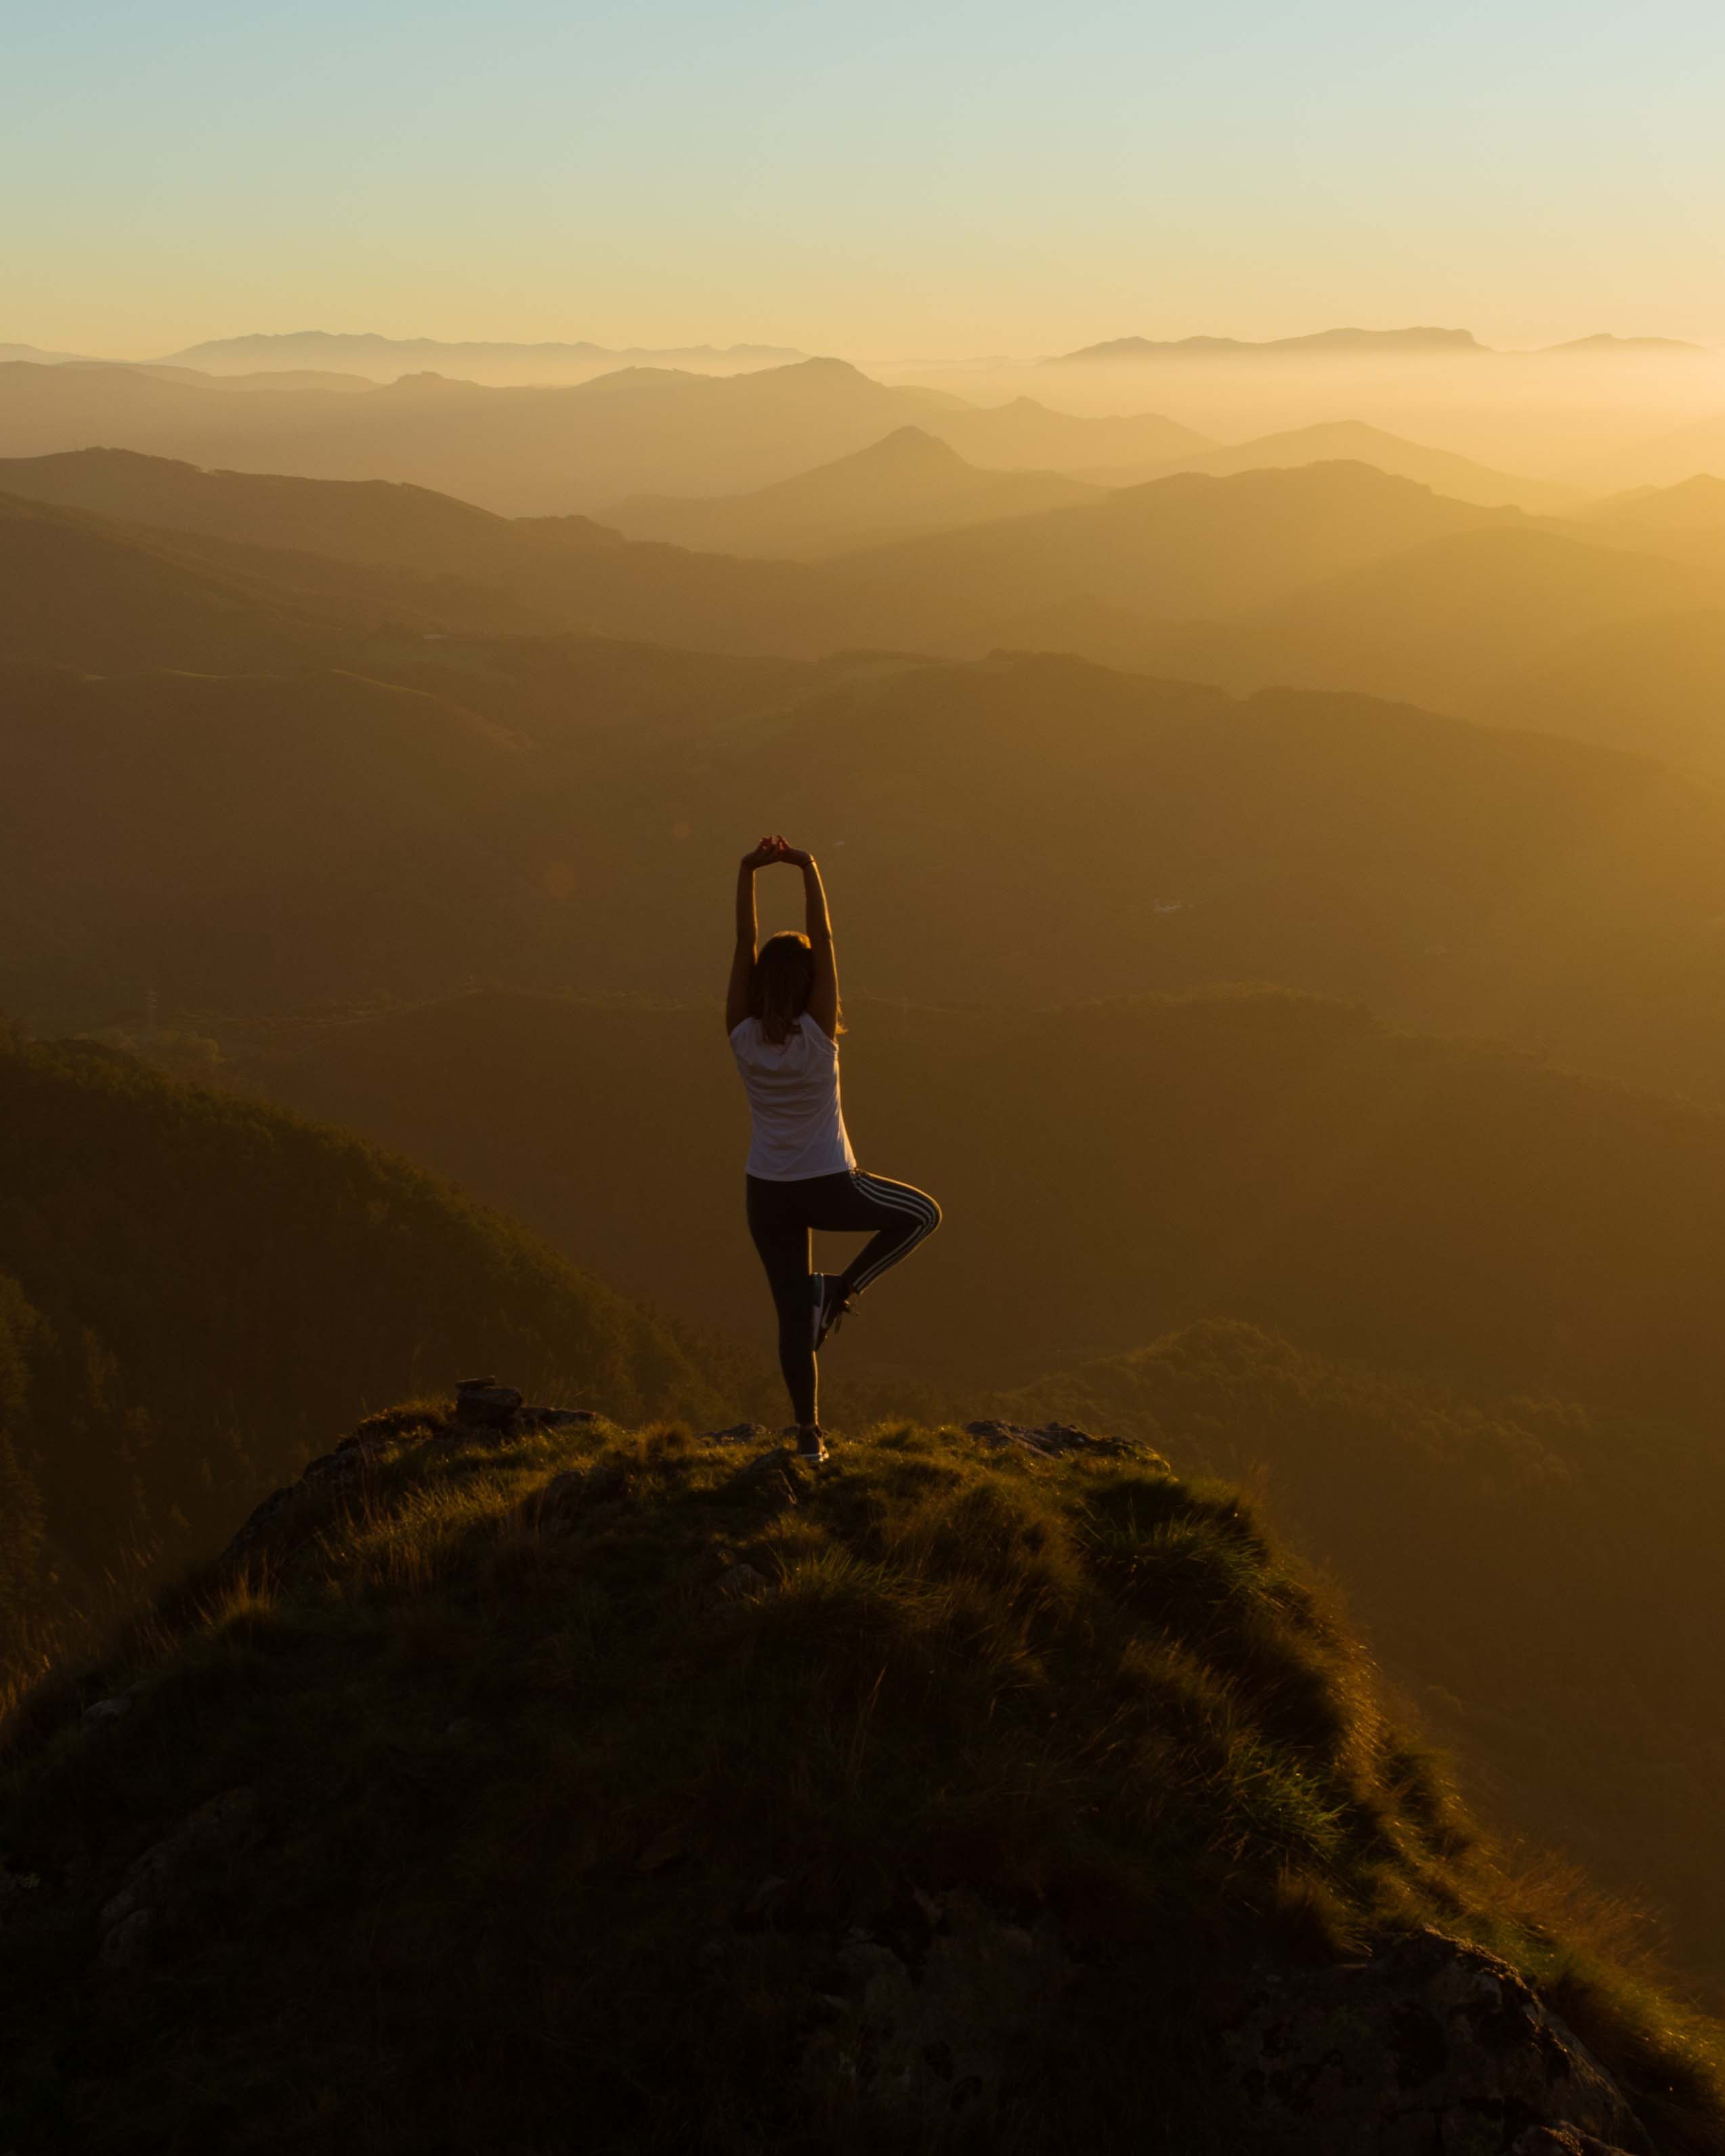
(599, 1789)
(1521, 1564)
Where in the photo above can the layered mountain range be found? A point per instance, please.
(1232, 997)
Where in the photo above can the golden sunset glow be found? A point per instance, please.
(1101, 1531)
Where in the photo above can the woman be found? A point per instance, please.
(782, 1014)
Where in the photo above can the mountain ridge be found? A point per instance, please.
(762, 1742)
(1461, 479)
(167, 1251)
(530, 450)
(358, 348)
(1321, 342)
(909, 480)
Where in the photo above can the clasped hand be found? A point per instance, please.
(777, 848)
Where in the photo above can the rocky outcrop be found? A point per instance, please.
(1563, 2141)
(132, 1917)
(481, 1405)
(1430, 2046)
(1049, 1437)
(925, 2030)
(484, 1403)
(14, 1886)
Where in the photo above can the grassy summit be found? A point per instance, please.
(627, 1790)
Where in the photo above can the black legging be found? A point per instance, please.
(780, 1217)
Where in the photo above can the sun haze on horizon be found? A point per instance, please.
(889, 182)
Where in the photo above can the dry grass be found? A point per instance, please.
(525, 1769)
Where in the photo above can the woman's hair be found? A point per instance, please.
(780, 982)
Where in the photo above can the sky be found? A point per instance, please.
(938, 180)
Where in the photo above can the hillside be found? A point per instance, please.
(1441, 623)
(1665, 459)
(1682, 523)
(906, 482)
(82, 591)
(1461, 878)
(386, 358)
(191, 1289)
(1456, 1523)
(521, 451)
(1413, 1203)
(965, 1796)
(1350, 440)
(256, 836)
(156, 562)
(374, 557)
(375, 522)
(1695, 505)
(1319, 343)
(1023, 432)
(1656, 684)
(1184, 544)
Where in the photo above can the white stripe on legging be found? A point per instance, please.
(897, 1198)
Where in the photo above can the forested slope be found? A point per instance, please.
(194, 1292)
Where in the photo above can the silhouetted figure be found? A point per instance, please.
(782, 1015)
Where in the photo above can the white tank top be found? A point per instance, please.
(792, 1087)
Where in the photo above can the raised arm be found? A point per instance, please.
(823, 998)
(742, 956)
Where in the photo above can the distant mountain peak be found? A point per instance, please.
(1319, 343)
(365, 349)
(1605, 343)
(908, 448)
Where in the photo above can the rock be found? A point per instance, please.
(362, 1441)
(552, 1509)
(14, 1887)
(664, 1851)
(778, 1492)
(1430, 2045)
(528, 1419)
(764, 1896)
(337, 1466)
(124, 1946)
(739, 1433)
(257, 1522)
(1562, 2141)
(1050, 1437)
(329, 1471)
(106, 1709)
(216, 1829)
(769, 1482)
(740, 1580)
(921, 2045)
(481, 1402)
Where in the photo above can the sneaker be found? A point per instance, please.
(828, 1304)
(812, 1445)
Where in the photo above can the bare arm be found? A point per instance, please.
(823, 998)
(742, 956)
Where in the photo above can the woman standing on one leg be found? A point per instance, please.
(782, 1015)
